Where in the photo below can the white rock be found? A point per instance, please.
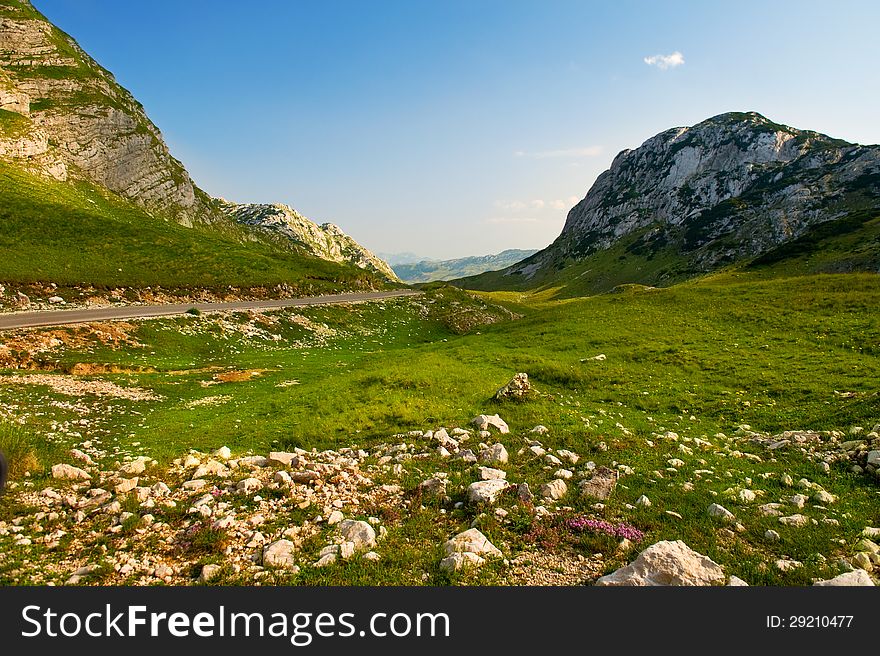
(720, 512)
(643, 501)
(211, 468)
(874, 458)
(372, 556)
(494, 455)
(283, 459)
(471, 541)
(223, 453)
(458, 561)
(360, 533)
(486, 491)
(490, 474)
(249, 485)
(209, 572)
(858, 577)
(667, 563)
(771, 536)
(279, 554)
(824, 498)
(555, 489)
(126, 485)
(69, 473)
(736, 582)
(794, 520)
(335, 517)
(746, 496)
(483, 422)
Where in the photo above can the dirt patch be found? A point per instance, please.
(31, 348)
(238, 376)
(72, 386)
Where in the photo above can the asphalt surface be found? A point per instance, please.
(12, 320)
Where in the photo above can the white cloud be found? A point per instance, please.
(537, 204)
(664, 62)
(588, 151)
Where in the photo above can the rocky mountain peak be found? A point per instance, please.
(327, 241)
(732, 186)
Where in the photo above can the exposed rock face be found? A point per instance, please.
(326, 241)
(64, 116)
(731, 187)
(98, 131)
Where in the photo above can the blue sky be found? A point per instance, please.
(464, 127)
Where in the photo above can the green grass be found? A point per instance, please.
(698, 358)
(77, 235)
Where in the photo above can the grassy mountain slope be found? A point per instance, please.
(80, 234)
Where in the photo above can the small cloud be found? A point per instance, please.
(558, 205)
(537, 204)
(588, 151)
(665, 62)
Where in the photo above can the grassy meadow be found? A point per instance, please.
(701, 359)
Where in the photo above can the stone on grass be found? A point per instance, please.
(471, 541)
(483, 422)
(518, 388)
(283, 459)
(486, 491)
(69, 473)
(209, 573)
(458, 561)
(494, 455)
(667, 563)
(223, 453)
(490, 474)
(279, 554)
(601, 485)
(794, 520)
(643, 502)
(360, 533)
(720, 512)
(857, 577)
(555, 489)
(249, 485)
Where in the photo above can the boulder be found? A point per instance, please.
(486, 491)
(555, 489)
(360, 533)
(720, 512)
(69, 473)
(858, 577)
(283, 459)
(518, 388)
(483, 422)
(471, 541)
(490, 474)
(279, 554)
(601, 485)
(494, 455)
(667, 563)
(459, 561)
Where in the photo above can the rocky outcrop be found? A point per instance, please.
(96, 129)
(734, 186)
(325, 241)
(64, 116)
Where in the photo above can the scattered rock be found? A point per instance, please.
(486, 491)
(279, 554)
(601, 485)
(69, 473)
(857, 577)
(720, 512)
(667, 563)
(361, 534)
(494, 455)
(209, 573)
(483, 422)
(518, 388)
(555, 489)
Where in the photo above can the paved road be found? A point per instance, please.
(84, 315)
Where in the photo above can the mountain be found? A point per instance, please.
(691, 200)
(326, 241)
(402, 258)
(65, 121)
(431, 270)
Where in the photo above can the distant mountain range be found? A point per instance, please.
(433, 270)
(737, 189)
